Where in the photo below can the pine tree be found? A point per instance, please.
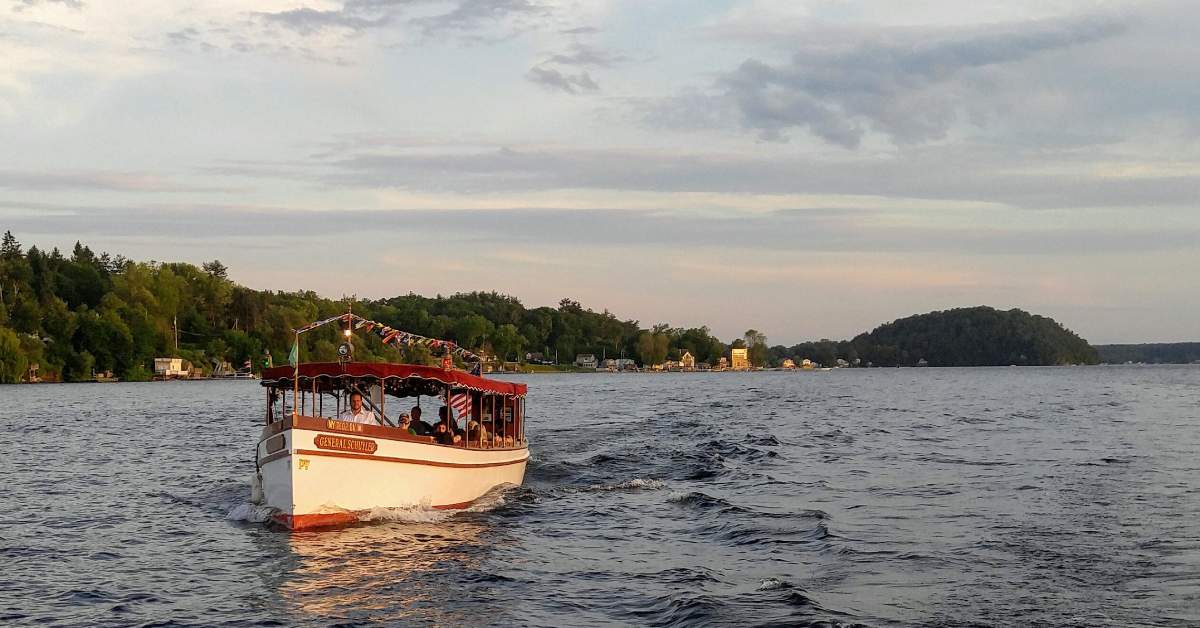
(10, 249)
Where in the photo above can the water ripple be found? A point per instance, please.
(889, 497)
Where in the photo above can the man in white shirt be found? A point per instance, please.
(356, 413)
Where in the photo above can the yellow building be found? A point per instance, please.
(739, 359)
(788, 363)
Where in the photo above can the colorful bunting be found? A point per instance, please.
(392, 336)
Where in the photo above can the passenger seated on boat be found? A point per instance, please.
(508, 441)
(419, 427)
(477, 434)
(356, 413)
(443, 435)
(444, 425)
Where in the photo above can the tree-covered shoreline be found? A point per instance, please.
(79, 315)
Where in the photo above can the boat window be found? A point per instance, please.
(481, 420)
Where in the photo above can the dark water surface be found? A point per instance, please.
(1056, 497)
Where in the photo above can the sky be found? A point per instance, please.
(807, 168)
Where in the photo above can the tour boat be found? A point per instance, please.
(316, 469)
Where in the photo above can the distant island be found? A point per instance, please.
(974, 336)
(88, 317)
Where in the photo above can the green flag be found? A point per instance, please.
(294, 354)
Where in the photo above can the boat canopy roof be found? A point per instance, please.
(395, 377)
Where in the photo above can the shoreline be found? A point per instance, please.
(713, 372)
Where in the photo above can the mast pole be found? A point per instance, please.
(296, 378)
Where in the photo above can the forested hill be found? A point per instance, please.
(78, 315)
(1151, 353)
(975, 336)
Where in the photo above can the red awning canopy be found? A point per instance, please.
(281, 375)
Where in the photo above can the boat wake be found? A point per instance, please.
(636, 484)
(406, 514)
(424, 513)
(249, 512)
(252, 512)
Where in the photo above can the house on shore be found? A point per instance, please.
(687, 361)
(626, 364)
(739, 359)
(585, 361)
(788, 364)
(172, 368)
(536, 357)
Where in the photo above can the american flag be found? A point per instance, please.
(461, 402)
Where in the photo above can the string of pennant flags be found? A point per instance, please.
(392, 336)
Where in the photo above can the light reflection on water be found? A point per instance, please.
(384, 572)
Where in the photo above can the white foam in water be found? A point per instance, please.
(256, 492)
(252, 513)
(636, 484)
(492, 499)
(407, 514)
(771, 584)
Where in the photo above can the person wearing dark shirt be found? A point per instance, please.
(443, 435)
(446, 426)
(419, 427)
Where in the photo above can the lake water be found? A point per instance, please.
(951, 497)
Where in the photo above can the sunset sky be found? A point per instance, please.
(807, 168)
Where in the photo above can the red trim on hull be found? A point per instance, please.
(319, 520)
(334, 519)
(458, 506)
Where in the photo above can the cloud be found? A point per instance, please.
(470, 15)
(584, 55)
(555, 71)
(308, 21)
(910, 85)
(555, 80)
(797, 231)
(21, 5)
(1031, 179)
(355, 17)
(52, 181)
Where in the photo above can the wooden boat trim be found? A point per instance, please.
(416, 461)
(316, 424)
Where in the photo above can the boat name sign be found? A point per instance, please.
(343, 426)
(343, 443)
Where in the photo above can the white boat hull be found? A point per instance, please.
(314, 477)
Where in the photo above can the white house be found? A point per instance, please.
(172, 367)
(687, 361)
(585, 361)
